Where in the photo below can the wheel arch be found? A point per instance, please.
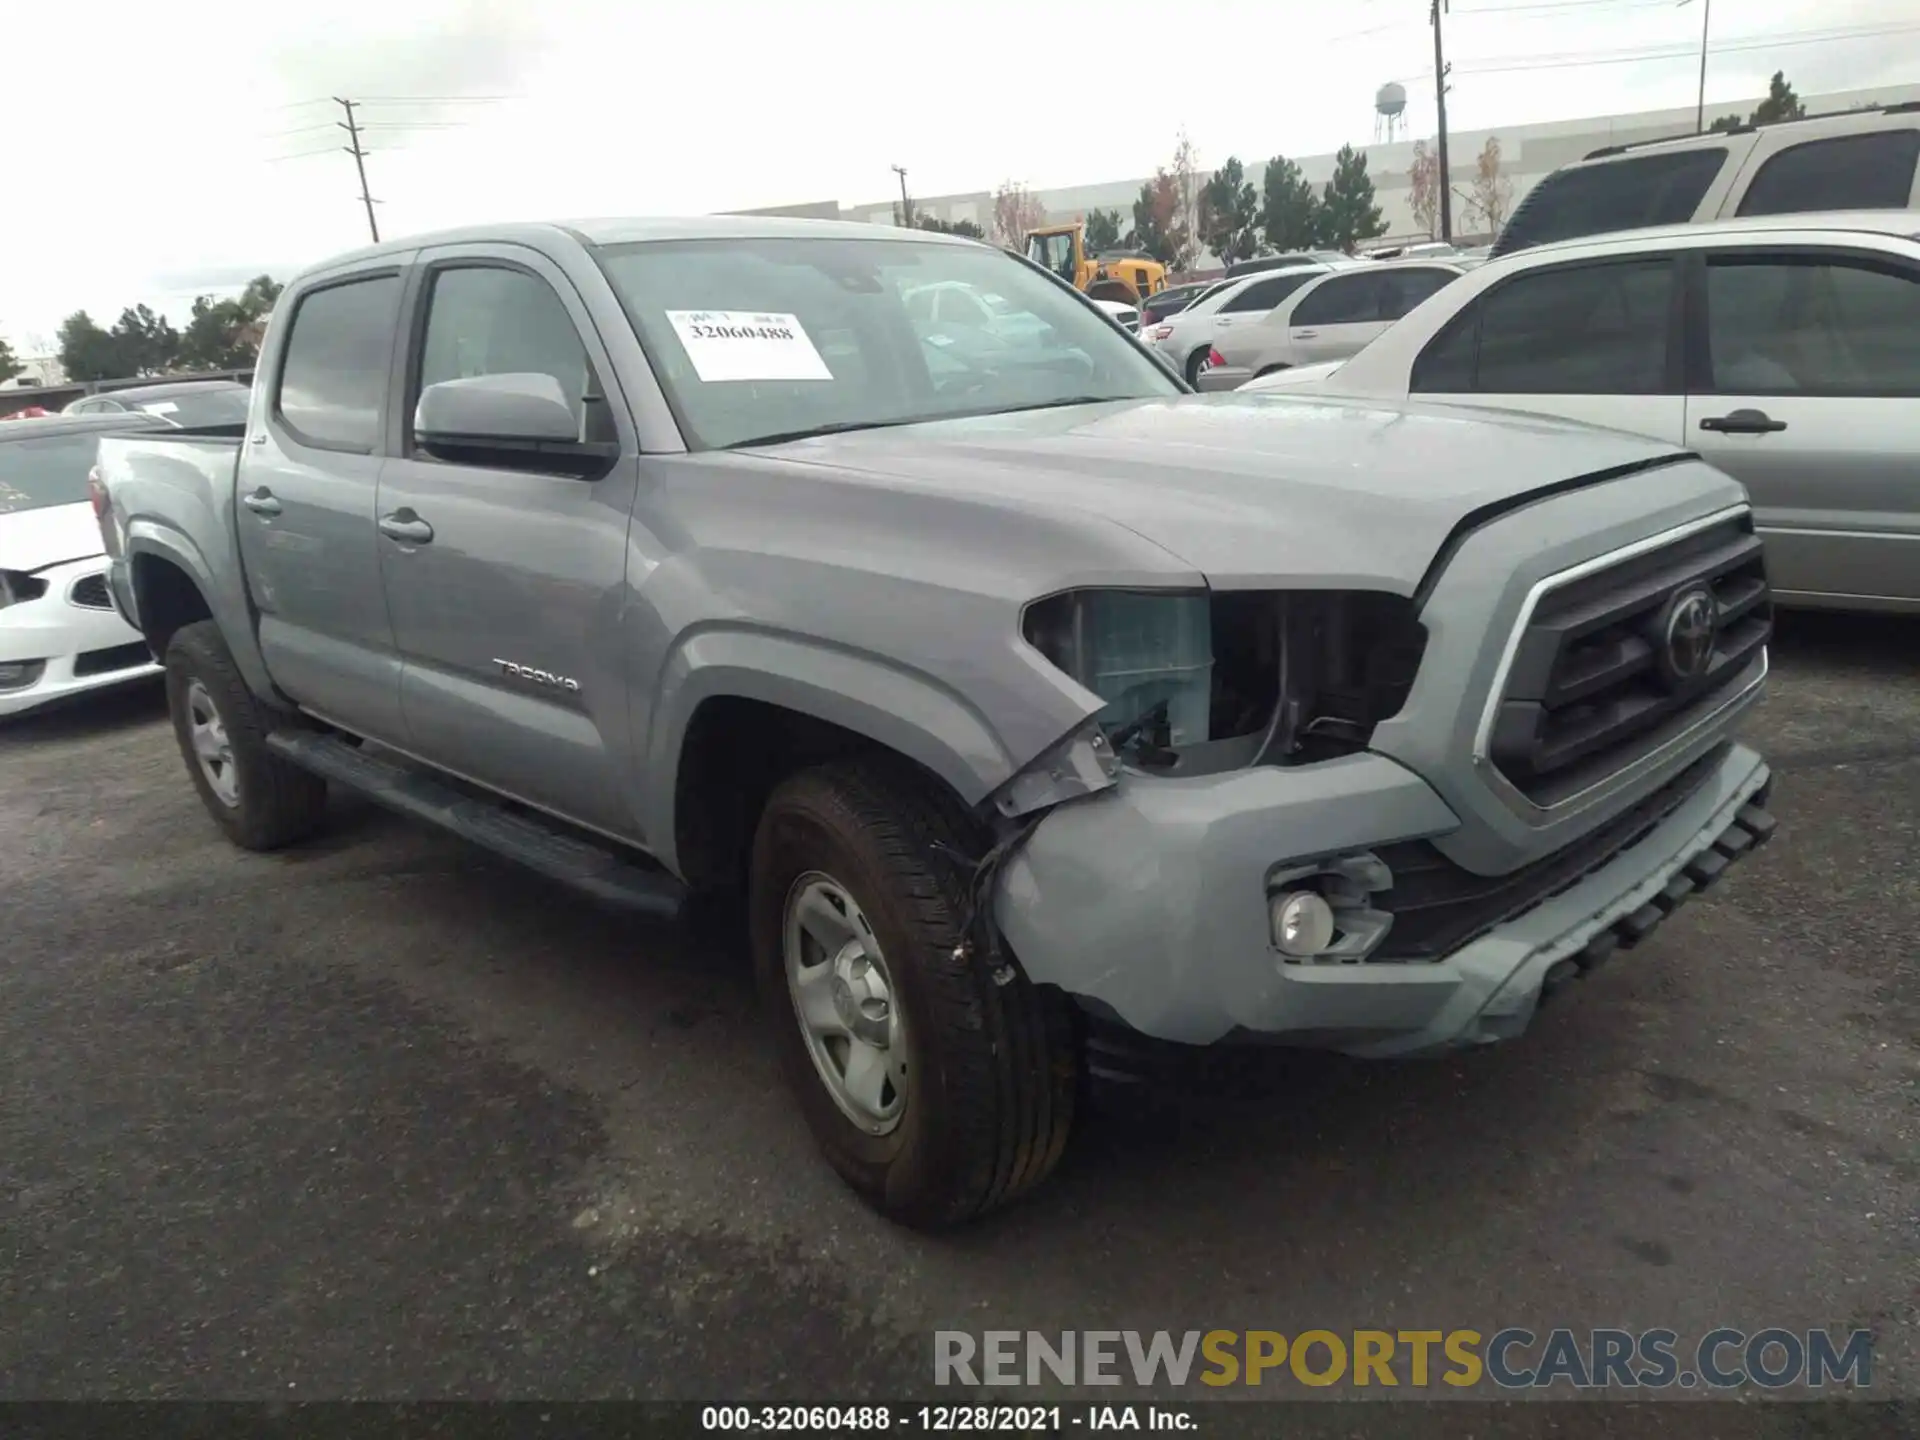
(744, 709)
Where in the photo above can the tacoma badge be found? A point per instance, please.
(538, 677)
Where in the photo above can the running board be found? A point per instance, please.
(595, 869)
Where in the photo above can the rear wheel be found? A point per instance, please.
(936, 1092)
(261, 801)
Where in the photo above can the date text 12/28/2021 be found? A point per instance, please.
(945, 1419)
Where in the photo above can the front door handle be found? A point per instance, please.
(1306, 334)
(261, 502)
(1743, 422)
(406, 527)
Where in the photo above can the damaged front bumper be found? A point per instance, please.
(1149, 902)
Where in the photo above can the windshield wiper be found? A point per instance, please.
(830, 427)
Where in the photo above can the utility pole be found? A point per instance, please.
(352, 127)
(1700, 112)
(1440, 102)
(906, 205)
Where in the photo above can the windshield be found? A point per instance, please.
(766, 339)
(194, 408)
(49, 470)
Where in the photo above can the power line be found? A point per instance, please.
(1570, 60)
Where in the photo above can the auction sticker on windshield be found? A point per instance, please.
(747, 345)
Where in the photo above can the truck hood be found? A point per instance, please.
(1248, 490)
(33, 539)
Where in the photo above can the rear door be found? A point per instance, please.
(1340, 316)
(506, 585)
(1803, 383)
(1593, 340)
(308, 475)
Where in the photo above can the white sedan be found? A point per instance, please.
(1187, 338)
(59, 633)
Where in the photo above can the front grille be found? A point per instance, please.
(105, 662)
(91, 591)
(1614, 664)
(1437, 907)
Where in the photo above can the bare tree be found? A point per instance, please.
(1188, 182)
(1424, 179)
(1492, 191)
(1016, 210)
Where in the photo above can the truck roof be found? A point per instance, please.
(617, 231)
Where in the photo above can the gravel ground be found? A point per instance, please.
(381, 1117)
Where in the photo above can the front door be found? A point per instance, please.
(1805, 394)
(506, 586)
(309, 470)
(1594, 341)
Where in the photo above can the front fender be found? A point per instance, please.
(907, 711)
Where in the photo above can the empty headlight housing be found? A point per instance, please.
(1147, 653)
(16, 588)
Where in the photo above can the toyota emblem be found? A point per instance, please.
(1687, 634)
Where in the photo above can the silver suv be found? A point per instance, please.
(1860, 160)
(1786, 351)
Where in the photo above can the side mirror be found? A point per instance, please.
(508, 422)
(487, 410)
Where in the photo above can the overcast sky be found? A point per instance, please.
(179, 148)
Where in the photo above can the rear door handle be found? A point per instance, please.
(406, 527)
(261, 502)
(1743, 422)
(1306, 334)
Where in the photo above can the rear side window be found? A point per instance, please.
(1615, 195)
(1850, 172)
(1569, 330)
(1263, 295)
(333, 377)
(1812, 325)
(1405, 287)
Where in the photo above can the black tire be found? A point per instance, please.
(277, 802)
(1270, 370)
(1194, 362)
(991, 1076)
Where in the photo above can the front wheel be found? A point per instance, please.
(935, 1090)
(261, 801)
(1195, 363)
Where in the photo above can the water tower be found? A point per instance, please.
(1390, 112)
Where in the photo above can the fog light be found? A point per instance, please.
(1302, 923)
(18, 674)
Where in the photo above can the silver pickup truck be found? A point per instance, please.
(1009, 692)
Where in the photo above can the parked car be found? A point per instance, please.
(1786, 350)
(1330, 317)
(1861, 160)
(59, 635)
(1187, 339)
(1125, 316)
(1172, 300)
(189, 404)
(1286, 261)
(1012, 705)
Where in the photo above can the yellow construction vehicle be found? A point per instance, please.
(1128, 278)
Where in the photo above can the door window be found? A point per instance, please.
(1341, 300)
(1569, 330)
(333, 378)
(1263, 295)
(1405, 287)
(490, 320)
(1849, 172)
(1812, 325)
